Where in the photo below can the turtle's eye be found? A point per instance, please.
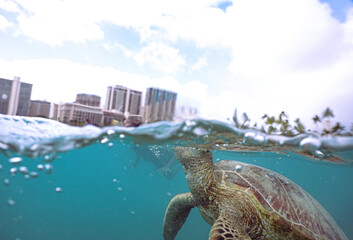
(207, 151)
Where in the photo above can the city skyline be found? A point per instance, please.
(257, 56)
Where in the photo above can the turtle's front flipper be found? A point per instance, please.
(176, 214)
(226, 227)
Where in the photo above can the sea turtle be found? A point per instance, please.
(243, 201)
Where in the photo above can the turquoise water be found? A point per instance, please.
(95, 191)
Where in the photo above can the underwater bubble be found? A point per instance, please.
(124, 199)
(110, 144)
(23, 170)
(49, 157)
(6, 182)
(217, 160)
(122, 136)
(33, 174)
(238, 167)
(120, 189)
(58, 189)
(26, 176)
(11, 202)
(15, 160)
(40, 167)
(132, 212)
(169, 194)
(115, 180)
(48, 168)
(110, 132)
(0, 166)
(13, 171)
(4, 96)
(34, 147)
(125, 168)
(104, 140)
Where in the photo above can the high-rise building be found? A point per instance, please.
(15, 97)
(39, 109)
(121, 103)
(79, 114)
(85, 110)
(159, 105)
(88, 99)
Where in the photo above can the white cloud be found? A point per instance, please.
(201, 62)
(160, 56)
(4, 24)
(9, 6)
(285, 54)
(55, 21)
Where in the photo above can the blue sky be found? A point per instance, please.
(260, 56)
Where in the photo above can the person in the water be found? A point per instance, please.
(162, 157)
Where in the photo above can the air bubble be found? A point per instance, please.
(49, 157)
(15, 160)
(104, 140)
(110, 144)
(132, 212)
(110, 132)
(58, 189)
(48, 168)
(40, 167)
(23, 170)
(26, 176)
(6, 182)
(10, 202)
(238, 168)
(0, 166)
(120, 189)
(122, 136)
(115, 180)
(169, 194)
(33, 174)
(13, 171)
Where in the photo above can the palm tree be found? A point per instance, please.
(300, 127)
(327, 113)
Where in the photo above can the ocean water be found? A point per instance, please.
(67, 183)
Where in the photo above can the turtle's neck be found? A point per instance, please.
(198, 167)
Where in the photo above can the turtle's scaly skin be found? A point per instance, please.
(243, 201)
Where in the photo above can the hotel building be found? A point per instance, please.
(85, 110)
(121, 103)
(159, 105)
(39, 109)
(15, 97)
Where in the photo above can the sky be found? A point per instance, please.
(259, 56)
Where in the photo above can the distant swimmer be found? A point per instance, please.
(162, 157)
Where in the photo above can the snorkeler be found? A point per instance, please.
(162, 157)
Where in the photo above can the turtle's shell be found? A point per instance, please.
(277, 193)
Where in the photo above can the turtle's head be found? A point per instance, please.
(198, 167)
(191, 156)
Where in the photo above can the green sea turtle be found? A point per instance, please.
(243, 201)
